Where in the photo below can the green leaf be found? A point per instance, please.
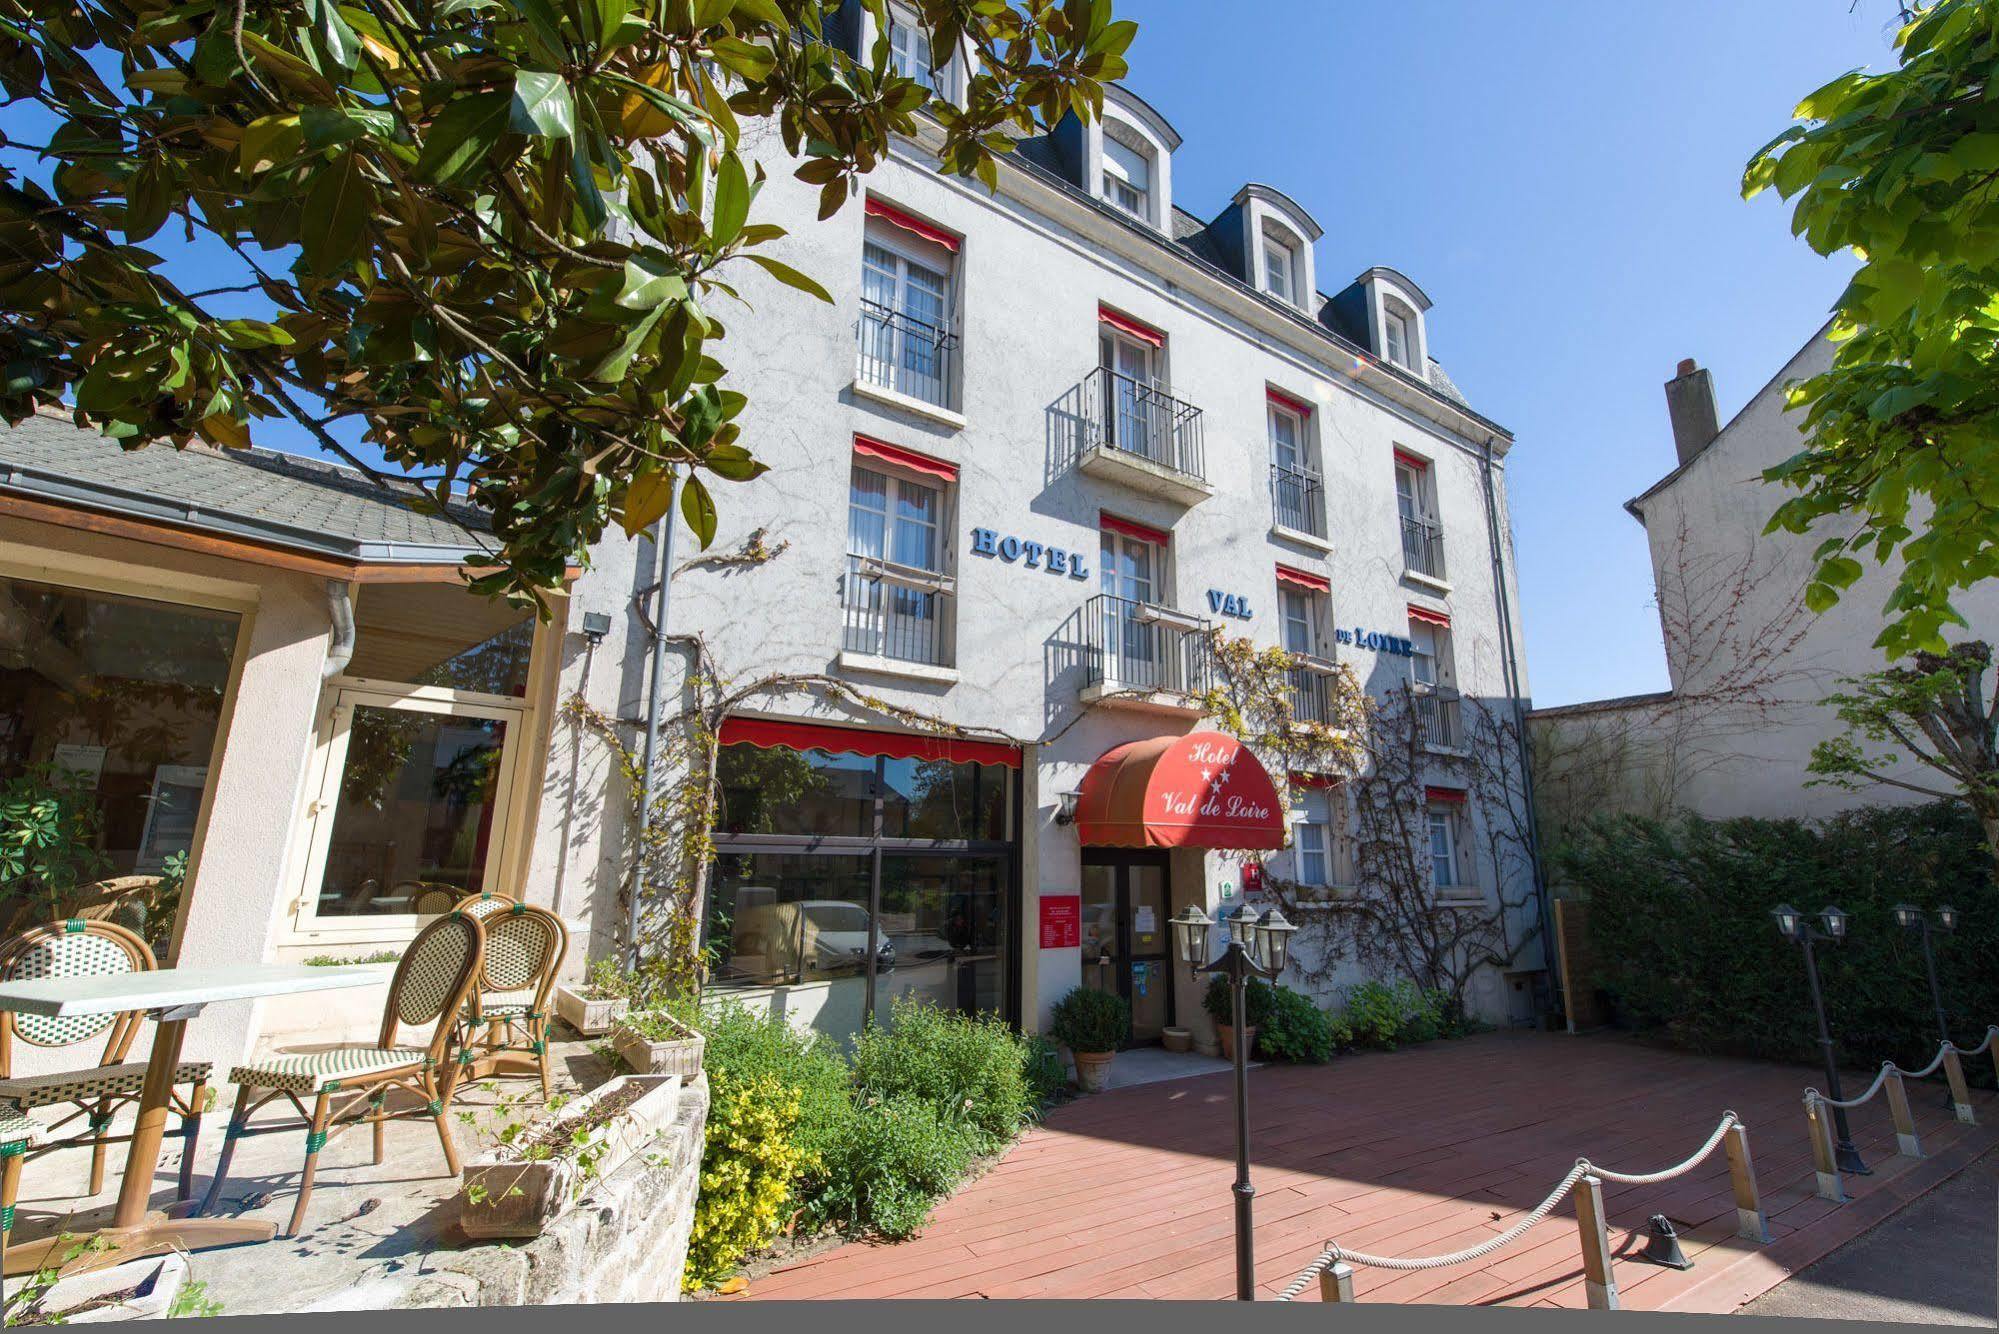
(790, 277)
(459, 139)
(254, 333)
(732, 200)
(647, 500)
(337, 208)
(148, 199)
(336, 38)
(269, 140)
(698, 508)
(542, 105)
(732, 463)
(752, 61)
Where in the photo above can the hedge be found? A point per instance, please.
(1679, 914)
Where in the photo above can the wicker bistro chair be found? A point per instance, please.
(505, 1027)
(79, 948)
(430, 900)
(18, 1134)
(431, 984)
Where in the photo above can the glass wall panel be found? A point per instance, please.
(784, 791)
(779, 920)
(120, 698)
(440, 635)
(936, 799)
(946, 920)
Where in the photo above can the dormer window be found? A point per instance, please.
(1398, 337)
(1128, 178)
(1280, 268)
(909, 52)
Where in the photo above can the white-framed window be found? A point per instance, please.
(1311, 839)
(1398, 336)
(898, 591)
(1287, 438)
(1132, 573)
(1424, 663)
(1319, 855)
(1444, 847)
(1280, 269)
(906, 338)
(1127, 177)
(1300, 611)
(909, 52)
(1410, 501)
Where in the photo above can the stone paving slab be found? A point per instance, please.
(1415, 1152)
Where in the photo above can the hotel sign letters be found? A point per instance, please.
(1375, 640)
(1031, 555)
(1228, 604)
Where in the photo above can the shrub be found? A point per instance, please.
(1387, 1014)
(1047, 1074)
(1294, 1029)
(969, 1068)
(748, 1166)
(1679, 916)
(1091, 1021)
(1215, 1000)
(896, 1155)
(744, 1045)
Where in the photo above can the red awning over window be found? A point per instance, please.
(770, 733)
(1202, 790)
(905, 458)
(1110, 523)
(1318, 583)
(1429, 616)
(1403, 456)
(1314, 780)
(1284, 400)
(1444, 796)
(894, 216)
(1145, 333)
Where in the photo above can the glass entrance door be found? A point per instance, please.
(1126, 938)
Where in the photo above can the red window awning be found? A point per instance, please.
(771, 733)
(1429, 616)
(1110, 523)
(1145, 333)
(1444, 796)
(1202, 790)
(895, 217)
(1318, 583)
(1285, 401)
(1403, 456)
(905, 458)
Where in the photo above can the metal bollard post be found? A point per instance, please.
(1819, 1122)
(1598, 1282)
(1336, 1283)
(1960, 1096)
(1906, 1142)
(1750, 1223)
(1992, 1047)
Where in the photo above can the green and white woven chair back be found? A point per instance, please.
(485, 905)
(74, 953)
(435, 967)
(433, 900)
(519, 945)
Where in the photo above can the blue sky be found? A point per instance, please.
(1562, 179)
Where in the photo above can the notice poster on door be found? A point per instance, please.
(1143, 920)
(1061, 921)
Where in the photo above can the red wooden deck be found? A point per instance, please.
(1409, 1153)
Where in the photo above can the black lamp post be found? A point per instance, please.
(1258, 946)
(1914, 920)
(1796, 928)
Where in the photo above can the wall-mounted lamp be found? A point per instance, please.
(596, 625)
(1067, 815)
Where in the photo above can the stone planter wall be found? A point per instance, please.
(625, 1241)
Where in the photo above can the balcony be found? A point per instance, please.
(1422, 550)
(1142, 656)
(1138, 435)
(1312, 693)
(904, 357)
(897, 620)
(1298, 501)
(1437, 717)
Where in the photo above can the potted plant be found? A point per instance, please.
(1092, 1025)
(538, 1167)
(1216, 1001)
(656, 1042)
(592, 1007)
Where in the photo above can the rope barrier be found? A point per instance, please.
(1944, 1049)
(1334, 1252)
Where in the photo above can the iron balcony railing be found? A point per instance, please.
(1298, 499)
(1311, 696)
(1143, 419)
(1437, 716)
(906, 355)
(1422, 547)
(1141, 646)
(895, 611)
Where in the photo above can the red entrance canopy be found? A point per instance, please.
(1202, 790)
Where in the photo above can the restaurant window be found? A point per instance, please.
(846, 881)
(118, 699)
(424, 735)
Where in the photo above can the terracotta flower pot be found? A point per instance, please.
(1091, 1068)
(1227, 1032)
(1177, 1039)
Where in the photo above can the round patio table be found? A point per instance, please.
(171, 997)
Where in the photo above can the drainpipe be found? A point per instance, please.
(340, 649)
(662, 544)
(1510, 669)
